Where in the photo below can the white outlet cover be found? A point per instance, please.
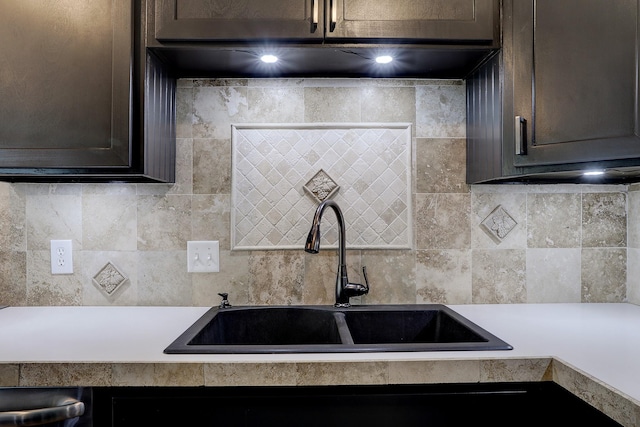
(203, 256)
(61, 257)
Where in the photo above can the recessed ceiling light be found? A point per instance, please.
(593, 173)
(384, 59)
(269, 59)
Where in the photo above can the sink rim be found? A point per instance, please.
(181, 344)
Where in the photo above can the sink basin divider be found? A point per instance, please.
(343, 329)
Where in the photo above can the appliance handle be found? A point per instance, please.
(66, 409)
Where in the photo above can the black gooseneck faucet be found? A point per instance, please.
(344, 289)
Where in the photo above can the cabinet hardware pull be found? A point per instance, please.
(314, 15)
(333, 9)
(521, 137)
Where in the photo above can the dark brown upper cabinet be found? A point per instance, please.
(73, 98)
(561, 97)
(433, 21)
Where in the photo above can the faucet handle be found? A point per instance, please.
(356, 289)
(366, 279)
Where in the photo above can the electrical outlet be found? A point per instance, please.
(203, 256)
(61, 257)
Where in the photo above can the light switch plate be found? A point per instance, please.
(203, 256)
(61, 257)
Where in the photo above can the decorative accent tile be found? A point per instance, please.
(498, 224)
(271, 166)
(321, 187)
(109, 278)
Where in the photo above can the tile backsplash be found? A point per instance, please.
(471, 244)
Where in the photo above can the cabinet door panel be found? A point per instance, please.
(575, 80)
(229, 20)
(426, 20)
(65, 83)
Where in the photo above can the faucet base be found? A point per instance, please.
(342, 305)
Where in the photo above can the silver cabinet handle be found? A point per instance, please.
(333, 14)
(314, 15)
(67, 408)
(520, 127)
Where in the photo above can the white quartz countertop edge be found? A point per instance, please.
(601, 340)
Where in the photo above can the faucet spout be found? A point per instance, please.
(344, 289)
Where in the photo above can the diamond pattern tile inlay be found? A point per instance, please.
(271, 170)
(109, 278)
(321, 187)
(498, 224)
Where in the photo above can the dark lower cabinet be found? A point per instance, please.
(512, 404)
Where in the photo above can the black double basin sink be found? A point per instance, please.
(326, 329)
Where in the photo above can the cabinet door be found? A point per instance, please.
(433, 21)
(239, 20)
(575, 81)
(65, 84)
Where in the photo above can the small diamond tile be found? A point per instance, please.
(109, 278)
(498, 224)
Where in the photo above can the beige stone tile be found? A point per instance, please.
(281, 104)
(443, 276)
(215, 108)
(211, 166)
(164, 222)
(276, 277)
(388, 104)
(515, 370)
(434, 371)
(332, 104)
(220, 82)
(442, 111)
(158, 374)
(553, 275)
(442, 221)
(633, 276)
(633, 221)
(604, 220)
(54, 217)
(184, 167)
(125, 262)
(184, 111)
(9, 375)
(12, 218)
(483, 204)
(391, 277)
(162, 278)
(233, 279)
(339, 373)
(250, 374)
(498, 276)
(597, 394)
(553, 220)
(604, 277)
(65, 374)
(441, 165)
(109, 222)
(211, 218)
(43, 288)
(13, 278)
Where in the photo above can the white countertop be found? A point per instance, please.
(602, 340)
